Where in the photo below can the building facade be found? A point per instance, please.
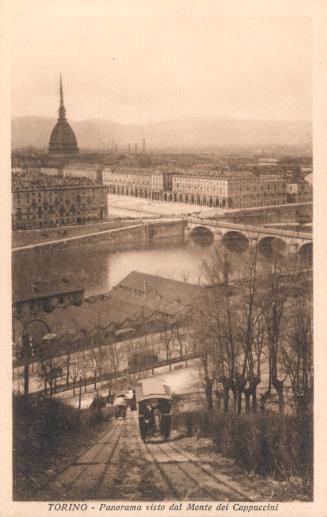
(45, 207)
(129, 182)
(299, 192)
(213, 191)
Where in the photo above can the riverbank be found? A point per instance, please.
(29, 237)
(133, 231)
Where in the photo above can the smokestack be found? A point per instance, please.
(129, 148)
(116, 148)
(143, 145)
(135, 148)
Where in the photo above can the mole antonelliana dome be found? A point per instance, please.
(62, 140)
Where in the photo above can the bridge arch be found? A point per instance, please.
(202, 235)
(234, 240)
(306, 253)
(269, 246)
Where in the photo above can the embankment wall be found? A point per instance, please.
(292, 213)
(111, 239)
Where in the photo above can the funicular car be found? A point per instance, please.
(154, 409)
(119, 406)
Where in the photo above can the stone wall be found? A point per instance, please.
(139, 232)
(293, 213)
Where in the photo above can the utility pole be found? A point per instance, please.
(27, 352)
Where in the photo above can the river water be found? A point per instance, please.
(98, 269)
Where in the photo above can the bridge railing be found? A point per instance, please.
(252, 229)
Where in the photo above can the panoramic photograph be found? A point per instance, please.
(162, 244)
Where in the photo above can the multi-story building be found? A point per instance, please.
(47, 201)
(145, 183)
(300, 192)
(228, 192)
(128, 181)
(223, 190)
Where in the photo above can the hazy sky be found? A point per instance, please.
(142, 69)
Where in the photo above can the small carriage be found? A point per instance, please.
(120, 406)
(154, 407)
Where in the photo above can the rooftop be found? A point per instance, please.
(121, 307)
(35, 180)
(43, 288)
(159, 288)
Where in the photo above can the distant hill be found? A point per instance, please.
(196, 133)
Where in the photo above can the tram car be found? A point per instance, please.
(119, 406)
(154, 409)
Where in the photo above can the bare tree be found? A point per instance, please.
(167, 338)
(297, 354)
(222, 314)
(180, 335)
(252, 331)
(67, 345)
(75, 369)
(274, 301)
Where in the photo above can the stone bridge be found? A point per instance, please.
(243, 236)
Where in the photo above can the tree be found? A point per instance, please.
(67, 344)
(222, 332)
(297, 354)
(180, 336)
(274, 300)
(76, 369)
(97, 353)
(251, 324)
(166, 338)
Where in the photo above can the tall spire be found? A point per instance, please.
(62, 111)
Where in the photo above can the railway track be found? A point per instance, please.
(225, 484)
(190, 478)
(120, 466)
(83, 476)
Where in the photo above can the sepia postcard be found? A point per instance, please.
(163, 172)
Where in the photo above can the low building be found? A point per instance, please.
(163, 295)
(37, 296)
(138, 304)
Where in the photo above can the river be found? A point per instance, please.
(98, 269)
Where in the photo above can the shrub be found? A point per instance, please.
(280, 446)
(43, 433)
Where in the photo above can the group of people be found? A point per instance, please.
(149, 419)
